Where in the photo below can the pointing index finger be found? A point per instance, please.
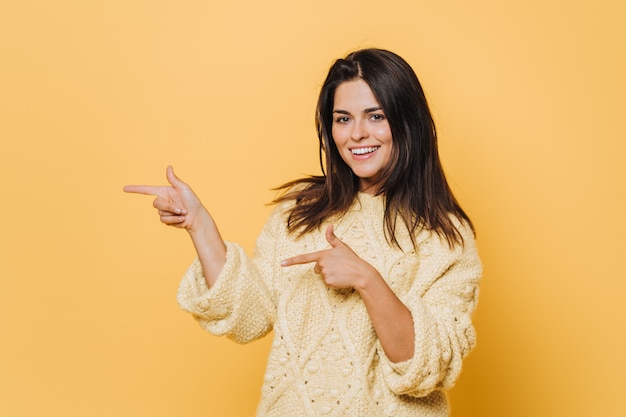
(301, 259)
(142, 189)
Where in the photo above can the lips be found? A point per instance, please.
(364, 151)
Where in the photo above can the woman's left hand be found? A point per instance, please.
(341, 268)
(338, 266)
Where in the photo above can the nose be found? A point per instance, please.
(359, 130)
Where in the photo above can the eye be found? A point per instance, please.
(377, 116)
(342, 119)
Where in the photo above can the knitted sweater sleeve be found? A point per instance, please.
(239, 304)
(441, 300)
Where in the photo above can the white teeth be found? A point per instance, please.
(363, 151)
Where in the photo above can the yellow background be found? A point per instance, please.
(529, 98)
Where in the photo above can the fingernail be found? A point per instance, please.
(283, 262)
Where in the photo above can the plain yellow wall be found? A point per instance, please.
(529, 97)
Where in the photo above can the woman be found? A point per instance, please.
(368, 274)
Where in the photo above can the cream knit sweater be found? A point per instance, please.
(325, 359)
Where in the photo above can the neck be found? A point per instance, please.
(370, 189)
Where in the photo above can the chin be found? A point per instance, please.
(367, 175)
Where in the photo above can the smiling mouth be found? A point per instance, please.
(364, 151)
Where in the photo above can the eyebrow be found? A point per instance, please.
(368, 110)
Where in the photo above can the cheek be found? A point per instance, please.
(339, 149)
(384, 134)
(339, 136)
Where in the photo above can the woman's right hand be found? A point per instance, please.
(177, 204)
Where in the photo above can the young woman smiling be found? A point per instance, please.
(368, 274)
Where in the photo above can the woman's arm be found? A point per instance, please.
(391, 319)
(178, 206)
(441, 299)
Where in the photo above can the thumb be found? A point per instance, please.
(332, 238)
(172, 178)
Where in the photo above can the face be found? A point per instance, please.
(361, 132)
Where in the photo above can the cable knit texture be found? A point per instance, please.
(326, 359)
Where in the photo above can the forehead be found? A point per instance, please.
(355, 94)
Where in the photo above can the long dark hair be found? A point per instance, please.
(414, 185)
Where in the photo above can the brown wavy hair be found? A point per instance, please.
(414, 185)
